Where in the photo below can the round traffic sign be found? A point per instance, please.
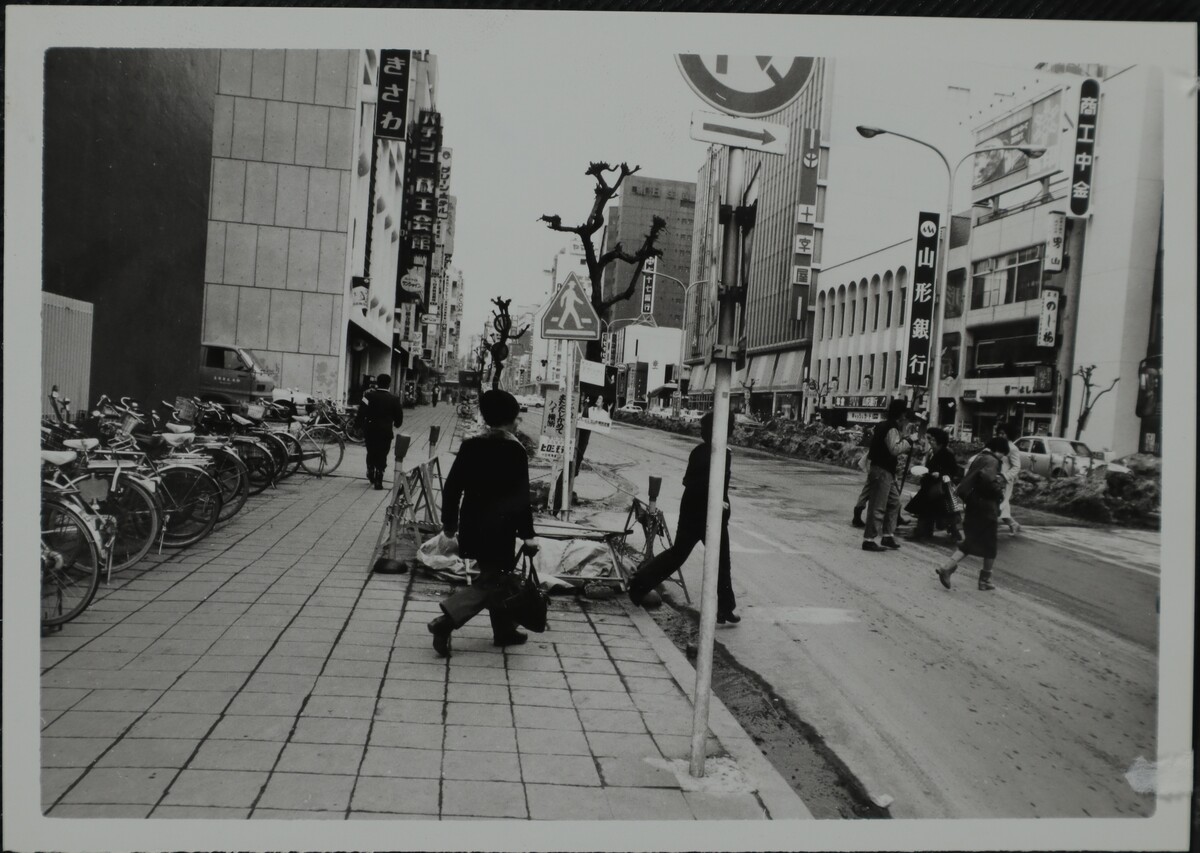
(751, 86)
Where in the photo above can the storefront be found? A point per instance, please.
(1031, 411)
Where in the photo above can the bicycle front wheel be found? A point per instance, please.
(192, 504)
(294, 453)
(260, 464)
(138, 522)
(232, 476)
(322, 450)
(71, 563)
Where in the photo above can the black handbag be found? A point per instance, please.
(527, 603)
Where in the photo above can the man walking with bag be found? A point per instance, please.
(693, 514)
(490, 479)
(382, 412)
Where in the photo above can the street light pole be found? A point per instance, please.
(687, 288)
(939, 296)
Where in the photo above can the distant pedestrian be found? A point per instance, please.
(864, 494)
(883, 507)
(490, 479)
(693, 517)
(382, 412)
(1011, 469)
(437, 395)
(932, 501)
(981, 490)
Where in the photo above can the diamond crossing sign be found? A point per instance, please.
(571, 316)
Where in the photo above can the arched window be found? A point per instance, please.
(902, 290)
(888, 289)
(875, 294)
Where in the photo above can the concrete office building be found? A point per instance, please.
(787, 252)
(1107, 273)
(628, 222)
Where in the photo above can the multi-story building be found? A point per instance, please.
(858, 339)
(786, 255)
(1048, 293)
(1034, 295)
(628, 222)
(647, 359)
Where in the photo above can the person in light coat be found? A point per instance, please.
(1010, 468)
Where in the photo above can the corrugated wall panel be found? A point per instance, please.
(66, 350)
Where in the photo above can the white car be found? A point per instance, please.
(630, 409)
(690, 415)
(1059, 457)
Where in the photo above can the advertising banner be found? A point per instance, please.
(1056, 242)
(391, 107)
(555, 419)
(920, 302)
(1085, 147)
(1048, 321)
(648, 285)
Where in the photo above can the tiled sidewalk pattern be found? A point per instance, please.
(266, 674)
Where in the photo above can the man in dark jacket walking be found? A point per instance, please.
(382, 411)
(883, 509)
(693, 515)
(490, 479)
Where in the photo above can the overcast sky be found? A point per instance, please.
(523, 132)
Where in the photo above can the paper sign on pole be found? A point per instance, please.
(552, 442)
(596, 420)
(591, 373)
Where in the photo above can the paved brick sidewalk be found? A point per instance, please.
(266, 674)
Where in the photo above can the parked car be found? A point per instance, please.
(230, 374)
(631, 409)
(1061, 457)
(690, 415)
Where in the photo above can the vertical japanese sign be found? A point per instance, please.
(920, 302)
(552, 442)
(1048, 321)
(1085, 148)
(1056, 242)
(391, 106)
(804, 236)
(648, 285)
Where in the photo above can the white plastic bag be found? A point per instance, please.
(441, 553)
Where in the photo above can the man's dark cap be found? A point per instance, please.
(897, 407)
(498, 408)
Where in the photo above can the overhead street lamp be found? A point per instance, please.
(1033, 152)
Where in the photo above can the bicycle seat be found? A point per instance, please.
(179, 428)
(81, 443)
(241, 421)
(176, 439)
(302, 419)
(59, 458)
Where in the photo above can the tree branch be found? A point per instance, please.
(639, 258)
(1105, 391)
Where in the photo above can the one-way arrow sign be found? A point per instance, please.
(739, 132)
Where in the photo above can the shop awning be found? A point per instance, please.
(667, 386)
(762, 369)
(789, 371)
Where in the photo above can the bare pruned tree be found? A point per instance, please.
(1089, 401)
(598, 260)
(498, 345)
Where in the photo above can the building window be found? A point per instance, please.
(899, 364)
(853, 305)
(871, 370)
(883, 374)
(951, 348)
(889, 309)
(864, 316)
(875, 315)
(902, 294)
(955, 284)
(859, 374)
(1009, 346)
(1003, 280)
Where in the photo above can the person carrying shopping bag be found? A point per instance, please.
(930, 504)
(982, 490)
(485, 503)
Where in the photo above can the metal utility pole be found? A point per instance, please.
(723, 353)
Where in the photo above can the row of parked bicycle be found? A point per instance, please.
(125, 481)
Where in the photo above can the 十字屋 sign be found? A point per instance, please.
(920, 302)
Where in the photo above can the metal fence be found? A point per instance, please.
(66, 350)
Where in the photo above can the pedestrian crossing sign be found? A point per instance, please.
(570, 315)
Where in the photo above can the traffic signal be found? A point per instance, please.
(1149, 387)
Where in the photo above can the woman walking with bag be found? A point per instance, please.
(982, 490)
(490, 478)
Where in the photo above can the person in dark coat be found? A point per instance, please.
(930, 504)
(485, 503)
(382, 412)
(887, 445)
(982, 490)
(693, 514)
